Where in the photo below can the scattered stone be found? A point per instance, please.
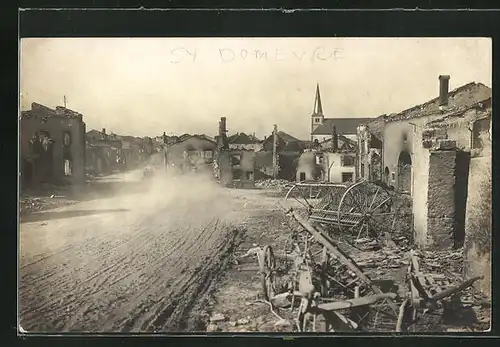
(242, 321)
(282, 300)
(283, 323)
(217, 318)
(212, 328)
(232, 323)
(260, 320)
(268, 326)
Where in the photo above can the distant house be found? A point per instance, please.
(333, 161)
(285, 143)
(322, 128)
(244, 141)
(103, 152)
(288, 149)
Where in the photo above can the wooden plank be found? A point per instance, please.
(363, 301)
(326, 241)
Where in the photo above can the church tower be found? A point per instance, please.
(317, 117)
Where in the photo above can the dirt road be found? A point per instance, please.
(142, 259)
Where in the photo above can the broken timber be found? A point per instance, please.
(331, 246)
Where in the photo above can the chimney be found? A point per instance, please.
(335, 139)
(222, 125)
(444, 82)
(103, 131)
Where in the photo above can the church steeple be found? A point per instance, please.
(317, 118)
(318, 107)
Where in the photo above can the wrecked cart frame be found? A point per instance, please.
(320, 309)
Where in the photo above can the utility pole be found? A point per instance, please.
(275, 155)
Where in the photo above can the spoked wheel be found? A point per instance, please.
(365, 209)
(268, 273)
(301, 194)
(310, 195)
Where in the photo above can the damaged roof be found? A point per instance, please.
(343, 125)
(461, 114)
(463, 96)
(376, 126)
(39, 110)
(243, 139)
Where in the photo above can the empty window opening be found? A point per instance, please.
(302, 176)
(66, 139)
(236, 159)
(249, 175)
(316, 120)
(362, 170)
(67, 167)
(236, 174)
(347, 177)
(347, 160)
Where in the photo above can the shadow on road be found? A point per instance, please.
(106, 189)
(44, 216)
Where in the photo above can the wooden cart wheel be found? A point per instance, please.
(268, 273)
(364, 209)
(299, 193)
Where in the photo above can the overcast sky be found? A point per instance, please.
(143, 87)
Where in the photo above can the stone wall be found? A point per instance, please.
(441, 200)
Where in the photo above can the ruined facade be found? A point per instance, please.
(52, 143)
(333, 160)
(191, 153)
(103, 152)
(426, 155)
(233, 167)
(369, 151)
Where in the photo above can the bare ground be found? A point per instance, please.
(137, 261)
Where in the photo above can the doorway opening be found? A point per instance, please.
(404, 173)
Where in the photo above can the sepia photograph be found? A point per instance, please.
(239, 185)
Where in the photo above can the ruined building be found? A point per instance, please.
(369, 150)
(430, 161)
(321, 127)
(332, 160)
(191, 153)
(52, 143)
(244, 141)
(233, 167)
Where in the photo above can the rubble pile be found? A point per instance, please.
(273, 184)
(278, 187)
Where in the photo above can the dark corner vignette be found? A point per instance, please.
(257, 186)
